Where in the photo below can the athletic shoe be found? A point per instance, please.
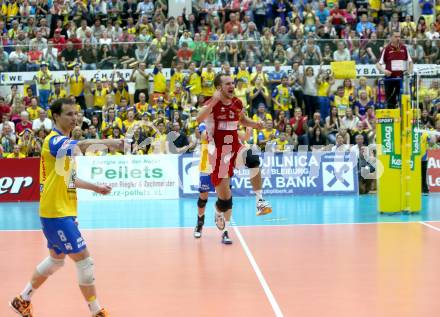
(263, 207)
(199, 227)
(220, 220)
(21, 306)
(102, 313)
(225, 238)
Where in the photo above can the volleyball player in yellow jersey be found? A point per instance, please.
(208, 88)
(77, 85)
(205, 184)
(58, 210)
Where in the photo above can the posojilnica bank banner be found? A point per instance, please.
(292, 173)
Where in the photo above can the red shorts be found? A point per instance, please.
(224, 161)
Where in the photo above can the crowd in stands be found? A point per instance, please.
(305, 106)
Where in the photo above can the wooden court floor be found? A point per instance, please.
(332, 270)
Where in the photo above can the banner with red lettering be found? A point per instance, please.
(19, 179)
(434, 171)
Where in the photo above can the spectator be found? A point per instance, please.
(16, 153)
(88, 56)
(362, 104)
(317, 140)
(341, 145)
(39, 42)
(34, 59)
(283, 98)
(33, 110)
(7, 139)
(106, 57)
(341, 101)
(266, 136)
(24, 123)
(324, 81)
(299, 126)
(342, 53)
(17, 60)
(310, 92)
(177, 140)
(44, 78)
(69, 56)
(199, 50)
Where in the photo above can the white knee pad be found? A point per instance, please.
(49, 266)
(85, 272)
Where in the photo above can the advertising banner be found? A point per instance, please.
(19, 179)
(295, 173)
(9, 78)
(131, 177)
(434, 171)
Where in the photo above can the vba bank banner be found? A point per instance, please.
(19, 179)
(295, 173)
(131, 177)
(434, 171)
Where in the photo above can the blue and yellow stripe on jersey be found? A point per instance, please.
(57, 176)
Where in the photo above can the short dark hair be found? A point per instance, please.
(57, 106)
(218, 80)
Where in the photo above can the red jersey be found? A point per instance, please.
(223, 122)
(222, 129)
(395, 59)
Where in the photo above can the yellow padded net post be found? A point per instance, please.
(399, 151)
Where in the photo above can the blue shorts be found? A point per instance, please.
(205, 185)
(63, 235)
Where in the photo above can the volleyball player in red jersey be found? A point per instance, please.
(222, 114)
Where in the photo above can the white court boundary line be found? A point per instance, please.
(244, 226)
(276, 308)
(430, 226)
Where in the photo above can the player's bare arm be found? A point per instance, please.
(100, 189)
(248, 122)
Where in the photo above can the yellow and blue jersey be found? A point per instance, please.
(205, 184)
(204, 166)
(208, 88)
(176, 78)
(159, 81)
(77, 84)
(243, 75)
(282, 95)
(99, 97)
(57, 177)
(341, 103)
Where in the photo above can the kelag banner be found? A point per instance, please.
(296, 173)
(19, 179)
